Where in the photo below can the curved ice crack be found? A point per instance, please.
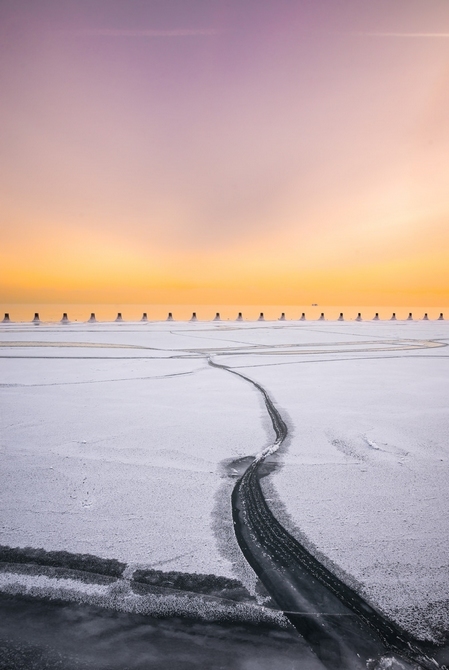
(340, 626)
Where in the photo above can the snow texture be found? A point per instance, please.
(113, 440)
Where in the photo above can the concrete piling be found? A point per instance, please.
(119, 318)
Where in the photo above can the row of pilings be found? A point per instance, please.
(119, 317)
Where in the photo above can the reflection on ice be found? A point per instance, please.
(42, 635)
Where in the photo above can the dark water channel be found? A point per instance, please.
(343, 630)
(338, 629)
(43, 635)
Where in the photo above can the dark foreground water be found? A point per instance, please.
(37, 635)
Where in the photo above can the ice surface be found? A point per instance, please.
(117, 449)
(120, 458)
(364, 474)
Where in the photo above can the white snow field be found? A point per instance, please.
(114, 439)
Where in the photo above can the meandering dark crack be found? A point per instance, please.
(340, 626)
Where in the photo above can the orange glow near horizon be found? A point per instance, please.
(232, 154)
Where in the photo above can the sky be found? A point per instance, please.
(224, 151)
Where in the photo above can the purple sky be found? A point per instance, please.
(235, 146)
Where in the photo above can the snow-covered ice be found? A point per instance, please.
(113, 439)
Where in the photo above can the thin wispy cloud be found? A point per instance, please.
(380, 34)
(178, 32)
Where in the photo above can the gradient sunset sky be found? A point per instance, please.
(225, 151)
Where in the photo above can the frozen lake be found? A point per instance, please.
(121, 441)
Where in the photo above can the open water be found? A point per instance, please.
(42, 635)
